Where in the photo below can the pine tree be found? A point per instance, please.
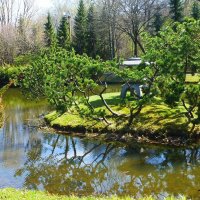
(80, 29)
(158, 22)
(22, 41)
(90, 33)
(63, 34)
(176, 10)
(195, 10)
(103, 49)
(50, 36)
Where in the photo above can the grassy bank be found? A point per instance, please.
(13, 194)
(157, 123)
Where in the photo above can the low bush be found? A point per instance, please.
(9, 72)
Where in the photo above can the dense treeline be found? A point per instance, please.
(114, 28)
(109, 28)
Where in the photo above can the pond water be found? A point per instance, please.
(33, 159)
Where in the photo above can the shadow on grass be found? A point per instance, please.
(111, 102)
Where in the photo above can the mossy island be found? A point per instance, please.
(157, 124)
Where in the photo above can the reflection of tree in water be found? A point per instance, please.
(164, 171)
(67, 171)
(84, 168)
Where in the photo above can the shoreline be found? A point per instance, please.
(174, 137)
(18, 194)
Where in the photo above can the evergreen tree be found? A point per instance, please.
(50, 36)
(90, 33)
(176, 10)
(63, 34)
(158, 22)
(103, 49)
(22, 41)
(80, 29)
(195, 10)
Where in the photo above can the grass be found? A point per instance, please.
(192, 78)
(156, 122)
(13, 194)
(74, 120)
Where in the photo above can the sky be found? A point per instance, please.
(43, 4)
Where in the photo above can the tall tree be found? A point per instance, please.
(158, 21)
(22, 37)
(91, 33)
(176, 10)
(195, 10)
(63, 33)
(107, 28)
(134, 18)
(80, 29)
(103, 49)
(50, 36)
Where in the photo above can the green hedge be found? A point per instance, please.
(9, 72)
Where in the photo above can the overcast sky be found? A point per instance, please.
(43, 4)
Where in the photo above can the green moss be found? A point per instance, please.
(13, 194)
(156, 121)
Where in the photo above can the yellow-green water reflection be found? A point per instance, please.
(60, 164)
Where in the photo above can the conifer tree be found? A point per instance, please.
(22, 38)
(158, 21)
(90, 33)
(176, 10)
(50, 36)
(195, 10)
(63, 33)
(80, 29)
(103, 49)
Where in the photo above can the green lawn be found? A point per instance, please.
(156, 117)
(13, 194)
(192, 78)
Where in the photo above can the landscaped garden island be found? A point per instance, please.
(167, 112)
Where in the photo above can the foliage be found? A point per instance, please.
(50, 36)
(63, 34)
(91, 33)
(103, 49)
(176, 10)
(24, 60)
(23, 44)
(195, 10)
(176, 51)
(158, 21)
(8, 73)
(80, 29)
(68, 80)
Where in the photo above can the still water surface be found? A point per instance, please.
(33, 159)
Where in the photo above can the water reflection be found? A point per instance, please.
(66, 165)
